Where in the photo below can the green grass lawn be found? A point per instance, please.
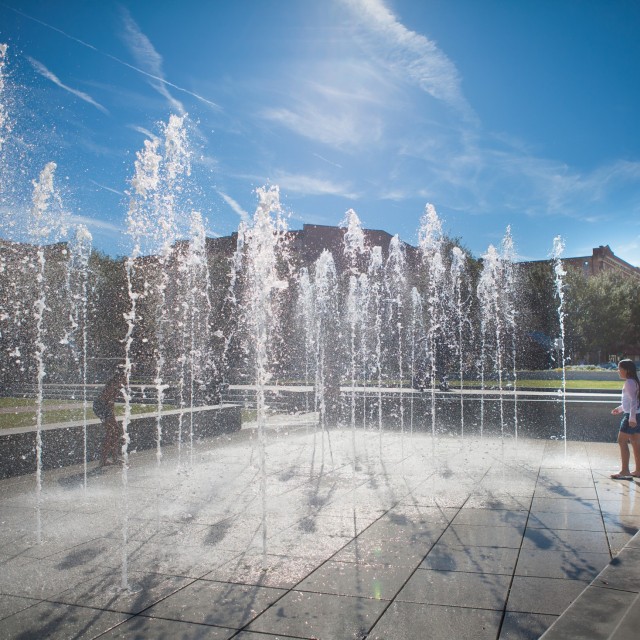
(574, 385)
(249, 415)
(28, 418)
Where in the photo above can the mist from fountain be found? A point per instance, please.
(510, 313)
(263, 245)
(430, 243)
(458, 263)
(45, 226)
(356, 252)
(374, 322)
(495, 291)
(559, 275)
(417, 330)
(305, 314)
(197, 322)
(396, 286)
(77, 335)
(375, 276)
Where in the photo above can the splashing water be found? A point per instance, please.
(325, 316)
(305, 303)
(430, 243)
(80, 250)
(396, 286)
(491, 325)
(4, 116)
(417, 331)
(263, 243)
(355, 251)
(559, 274)
(46, 224)
(354, 241)
(376, 290)
(458, 264)
(509, 296)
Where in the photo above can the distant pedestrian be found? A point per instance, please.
(629, 429)
(104, 408)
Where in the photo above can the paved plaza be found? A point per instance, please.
(419, 538)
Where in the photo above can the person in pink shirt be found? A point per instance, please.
(629, 429)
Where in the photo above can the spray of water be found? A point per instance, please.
(4, 115)
(305, 305)
(417, 332)
(458, 264)
(396, 286)
(78, 279)
(559, 275)
(376, 293)
(492, 323)
(46, 224)
(364, 329)
(151, 224)
(264, 246)
(354, 241)
(430, 243)
(496, 293)
(509, 297)
(325, 318)
(355, 252)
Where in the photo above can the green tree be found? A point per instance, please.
(602, 314)
(538, 320)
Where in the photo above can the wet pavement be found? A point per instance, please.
(420, 537)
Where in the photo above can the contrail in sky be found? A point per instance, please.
(49, 75)
(112, 57)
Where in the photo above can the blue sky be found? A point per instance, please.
(498, 113)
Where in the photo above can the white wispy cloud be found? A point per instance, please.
(244, 215)
(360, 93)
(343, 106)
(94, 223)
(145, 132)
(336, 128)
(335, 164)
(522, 184)
(148, 74)
(102, 186)
(552, 187)
(409, 55)
(397, 195)
(49, 75)
(311, 185)
(147, 58)
(629, 250)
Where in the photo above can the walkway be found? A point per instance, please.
(421, 538)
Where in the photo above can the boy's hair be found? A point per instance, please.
(629, 367)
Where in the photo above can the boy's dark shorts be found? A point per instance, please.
(625, 428)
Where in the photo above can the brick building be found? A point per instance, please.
(602, 259)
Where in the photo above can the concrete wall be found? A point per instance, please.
(586, 420)
(536, 416)
(64, 445)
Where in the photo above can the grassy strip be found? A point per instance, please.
(28, 419)
(248, 415)
(574, 385)
(8, 403)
